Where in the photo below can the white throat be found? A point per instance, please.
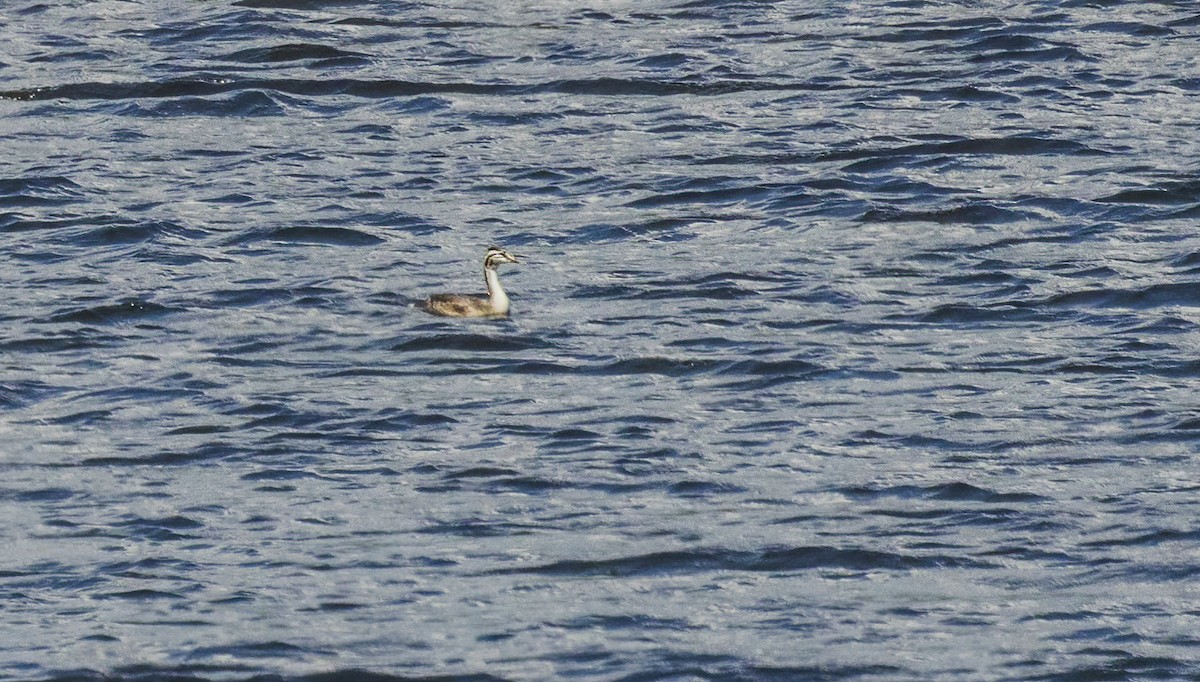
(496, 295)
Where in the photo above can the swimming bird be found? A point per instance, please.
(495, 304)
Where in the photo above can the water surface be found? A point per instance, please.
(854, 341)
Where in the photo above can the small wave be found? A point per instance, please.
(990, 279)
(528, 485)
(23, 393)
(48, 495)
(702, 488)
(398, 221)
(45, 190)
(250, 296)
(772, 367)
(260, 650)
(1017, 145)
(1015, 47)
(197, 430)
(1152, 296)
(75, 56)
(129, 310)
(514, 119)
(402, 421)
(638, 622)
(65, 341)
(655, 365)
(975, 213)
(130, 232)
(1006, 311)
(533, 367)
(1183, 214)
(951, 29)
(291, 52)
(480, 472)
(205, 87)
(312, 5)
(276, 474)
(1130, 28)
(240, 105)
(1167, 193)
(226, 662)
(657, 229)
(83, 418)
(478, 528)
(312, 234)
(717, 286)
(731, 195)
(373, 131)
(375, 89)
(668, 61)
(575, 434)
(956, 492)
(1005, 41)
(957, 93)
(473, 343)
(1119, 663)
(774, 560)
(140, 595)
(1147, 539)
(203, 453)
(14, 222)
(164, 529)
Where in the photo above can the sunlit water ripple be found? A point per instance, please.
(853, 341)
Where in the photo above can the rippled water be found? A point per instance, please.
(855, 340)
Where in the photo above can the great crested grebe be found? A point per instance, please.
(495, 304)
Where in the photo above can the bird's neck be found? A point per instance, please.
(496, 294)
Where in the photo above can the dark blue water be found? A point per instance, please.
(854, 341)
